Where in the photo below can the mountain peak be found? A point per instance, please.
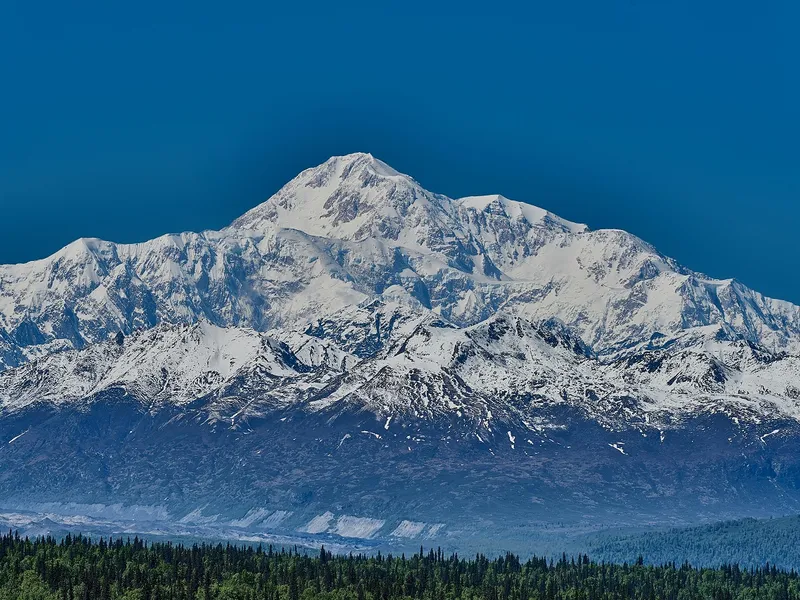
(349, 197)
(353, 229)
(363, 160)
(498, 204)
(356, 196)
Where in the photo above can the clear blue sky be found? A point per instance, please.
(678, 121)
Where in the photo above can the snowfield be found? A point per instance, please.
(353, 284)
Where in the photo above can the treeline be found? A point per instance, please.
(77, 568)
(746, 542)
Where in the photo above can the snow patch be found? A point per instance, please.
(253, 515)
(318, 524)
(766, 435)
(196, 517)
(618, 447)
(275, 519)
(16, 437)
(408, 529)
(357, 527)
(433, 530)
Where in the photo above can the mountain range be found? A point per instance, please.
(358, 358)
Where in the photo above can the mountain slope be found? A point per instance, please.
(352, 230)
(358, 356)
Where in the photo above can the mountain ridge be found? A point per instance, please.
(353, 228)
(360, 353)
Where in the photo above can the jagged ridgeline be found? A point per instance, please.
(363, 361)
(78, 568)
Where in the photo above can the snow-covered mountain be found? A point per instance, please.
(359, 346)
(505, 369)
(353, 230)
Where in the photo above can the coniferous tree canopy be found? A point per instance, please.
(77, 568)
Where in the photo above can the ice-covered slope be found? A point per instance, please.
(505, 370)
(354, 230)
(173, 364)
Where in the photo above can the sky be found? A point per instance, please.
(677, 121)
